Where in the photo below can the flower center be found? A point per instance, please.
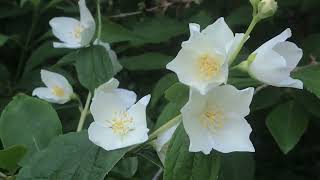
(58, 91)
(212, 119)
(208, 66)
(77, 31)
(121, 122)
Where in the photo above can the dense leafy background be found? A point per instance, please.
(286, 122)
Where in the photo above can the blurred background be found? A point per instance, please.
(147, 34)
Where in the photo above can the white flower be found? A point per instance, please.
(58, 89)
(72, 32)
(113, 56)
(202, 63)
(216, 120)
(162, 142)
(118, 121)
(274, 61)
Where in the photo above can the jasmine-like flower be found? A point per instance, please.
(216, 120)
(274, 61)
(113, 56)
(202, 63)
(58, 89)
(118, 121)
(72, 32)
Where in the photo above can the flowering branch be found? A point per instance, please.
(84, 113)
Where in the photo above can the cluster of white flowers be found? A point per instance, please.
(214, 116)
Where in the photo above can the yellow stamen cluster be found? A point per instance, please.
(77, 31)
(208, 66)
(58, 91)
(212, 119)
(120, 124)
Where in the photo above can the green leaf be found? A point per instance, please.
(126, 168)
(94, 67)
(71, 157)
(151, 156)
(68, 59)
(237, 166)
(30, 122)
(3, 39)
(162, 85)
(147, 61)
(10, 157)
(243, 82)
(266, 98)
(152, 29)
(309, 101)
(184, 165)
(309, 76)
(170, 111)
(112, 32)
(178, 94)
(44, 52)
(287, 123)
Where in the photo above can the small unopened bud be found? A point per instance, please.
(267, 8)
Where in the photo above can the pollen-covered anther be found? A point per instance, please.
(212, 119)
(120, 123)
(58, 91)
(208, 66)
(77, 31)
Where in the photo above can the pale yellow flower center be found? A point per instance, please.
(212, 119)
(77, 31)
(208, 66)
(121, 122)
(58, 91)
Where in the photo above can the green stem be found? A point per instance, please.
(253, 23)
(84, 113)
(165, 127)
(77, 98)
(25, 47)
(99, 20)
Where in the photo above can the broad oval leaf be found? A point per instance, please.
(94, 67)
(10, 157)
(147, 61)
(287, 123)
(30, 122)
(184, 165)
(71, 157)
(178, 94)
(309, 75)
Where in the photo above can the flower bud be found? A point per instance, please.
(267, 8)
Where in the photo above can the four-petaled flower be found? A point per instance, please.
(274, 61)
(72, 32)
(118, 121)
(202, 63)
(58, 89)
(216, 120)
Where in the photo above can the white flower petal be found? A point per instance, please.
(165, 137)
(103, 137)
(108, 86)
(234, 136)
(194, 28)
(66, 45)
(113, 56)
(270, 68)
(290, 52)
(229, 98)
(46, 94)
(105, 105)
(200, 138)
(63, 29)
(233, 44)
(88, 23)
(52, 80)
(218, 33)
(293, 83)
(128, 97)
(272, 42)
(138, 112)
